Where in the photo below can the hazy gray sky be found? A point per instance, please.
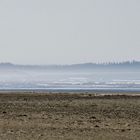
(69, 31)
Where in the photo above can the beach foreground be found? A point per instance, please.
(46, 116)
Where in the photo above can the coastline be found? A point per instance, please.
(84, 90)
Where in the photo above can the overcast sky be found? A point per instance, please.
(69, 31)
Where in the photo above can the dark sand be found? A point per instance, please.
(28, 116)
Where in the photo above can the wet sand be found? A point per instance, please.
(63, 116)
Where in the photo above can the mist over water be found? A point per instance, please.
(69, 79)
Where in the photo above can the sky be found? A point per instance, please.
(69, 31)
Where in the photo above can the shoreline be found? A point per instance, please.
(77, 91)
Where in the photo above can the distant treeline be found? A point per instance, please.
(110, 65)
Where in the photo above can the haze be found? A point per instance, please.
(69, 31)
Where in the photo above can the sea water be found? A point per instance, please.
(69, 80)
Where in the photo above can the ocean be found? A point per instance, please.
(69, 80)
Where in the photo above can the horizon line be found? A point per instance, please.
(97, 63)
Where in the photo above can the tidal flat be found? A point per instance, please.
(64, 116)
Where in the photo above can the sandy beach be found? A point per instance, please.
(63, 116)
